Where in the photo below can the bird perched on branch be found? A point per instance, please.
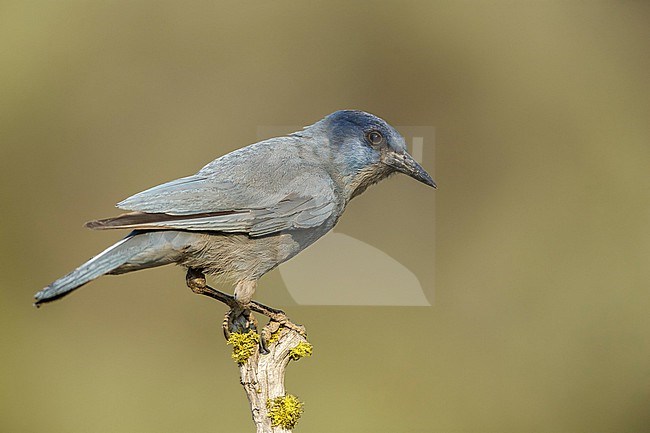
(248, 211)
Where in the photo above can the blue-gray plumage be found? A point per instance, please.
(250, 210)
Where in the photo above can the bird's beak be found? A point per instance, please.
(404, 163)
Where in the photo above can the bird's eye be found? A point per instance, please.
(375, 138)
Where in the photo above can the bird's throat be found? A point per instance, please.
(366, 177)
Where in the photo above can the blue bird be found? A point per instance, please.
(248, 211)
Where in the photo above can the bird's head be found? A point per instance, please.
(364, 149)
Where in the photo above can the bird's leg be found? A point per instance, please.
(238, 317)
(244, 292)
(241, 305)
(195, 280)
(241, 316)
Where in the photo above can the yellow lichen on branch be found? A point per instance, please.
(243, 345)
(303, 349)
(284, 411)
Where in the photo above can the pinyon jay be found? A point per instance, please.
(248, 211)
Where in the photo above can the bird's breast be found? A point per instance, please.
(239, 256)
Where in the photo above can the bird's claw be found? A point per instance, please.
(239, 319)
(267, 334)
(276, 323)
(282, 319)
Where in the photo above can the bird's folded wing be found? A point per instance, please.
(202, 204)
(196, 194)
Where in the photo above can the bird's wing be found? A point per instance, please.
(216, 203)
(194, 195)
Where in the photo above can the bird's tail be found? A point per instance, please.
(137, 251)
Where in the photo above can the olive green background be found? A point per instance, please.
(541, 316)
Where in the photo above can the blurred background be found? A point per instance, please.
(540, 232)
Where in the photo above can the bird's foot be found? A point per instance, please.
(240, 317)
(282, 319)
(277, 320)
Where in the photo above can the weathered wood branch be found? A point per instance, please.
(262, 374)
